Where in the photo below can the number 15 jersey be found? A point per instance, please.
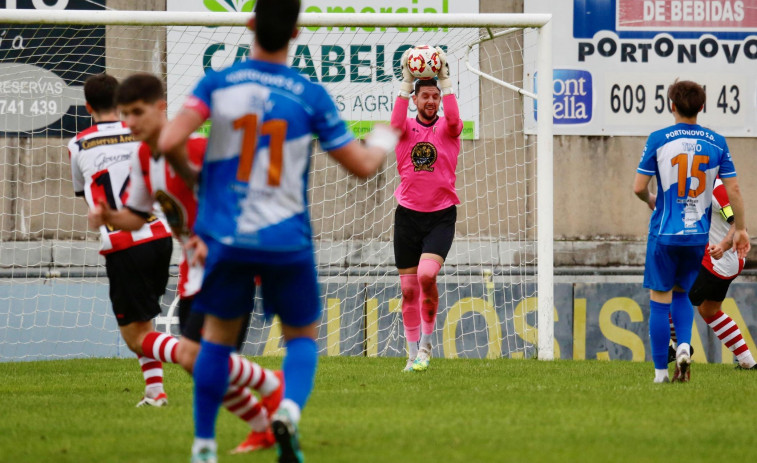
(686, 159)
(253, 186)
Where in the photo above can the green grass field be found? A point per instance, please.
(366, 410)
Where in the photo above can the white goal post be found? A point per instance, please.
(502, 260)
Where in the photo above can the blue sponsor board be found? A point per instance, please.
(342, 330)
(572, 96)
(612, 323)
(474, 320)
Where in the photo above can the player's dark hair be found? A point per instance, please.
(425, 83)
(99, 91)
(142, 86)
(275, 21)
(688, 96)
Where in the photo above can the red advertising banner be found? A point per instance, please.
(693, 15)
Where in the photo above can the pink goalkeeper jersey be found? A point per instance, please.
(427, 157)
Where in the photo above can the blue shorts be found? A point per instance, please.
(668, 265)
(289, 288)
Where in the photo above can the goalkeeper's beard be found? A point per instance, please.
(428, 112)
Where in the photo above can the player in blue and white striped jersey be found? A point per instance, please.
(685, 158)
(253, 211)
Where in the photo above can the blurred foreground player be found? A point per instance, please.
(253, 211)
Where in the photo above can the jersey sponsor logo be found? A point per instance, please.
(103, 160)
(90, 143)
(423, 156)
(690, 213)
(266, 78)
(690, 133)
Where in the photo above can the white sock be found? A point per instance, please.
(746, 359)
(270, 383)
(412, 349)
(660, 374)
(683, 347)
(201, 443)
(294, 410)
(426, 341)
(259, 422)
(154, 390)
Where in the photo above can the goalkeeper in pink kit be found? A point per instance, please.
(424, 221)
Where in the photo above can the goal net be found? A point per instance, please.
(495, 289)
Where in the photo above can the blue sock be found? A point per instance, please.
(659, 333)
(211, 378)
(683, 317)
(299, 369)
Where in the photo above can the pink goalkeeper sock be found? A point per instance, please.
(411, 312)
(427, 271)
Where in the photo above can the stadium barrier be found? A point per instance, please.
(595, 318)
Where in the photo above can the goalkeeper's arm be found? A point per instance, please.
(451, 110)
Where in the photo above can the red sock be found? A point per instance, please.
(160, 346)
(672, 330)
(728, 332)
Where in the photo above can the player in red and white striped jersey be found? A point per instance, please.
(136, 261)
(720, 266)
(142, 103)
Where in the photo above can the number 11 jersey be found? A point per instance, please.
(253, 186)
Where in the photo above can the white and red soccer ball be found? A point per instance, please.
(423, 62)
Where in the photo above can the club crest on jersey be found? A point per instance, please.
(173, 211)
(423, 156)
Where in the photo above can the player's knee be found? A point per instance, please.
(134, 335)
(186, 355)
(409, 293)
(708, 309)
(134, 343)
(427, 281)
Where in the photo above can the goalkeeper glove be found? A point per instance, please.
(445, 83)
(406, 87)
